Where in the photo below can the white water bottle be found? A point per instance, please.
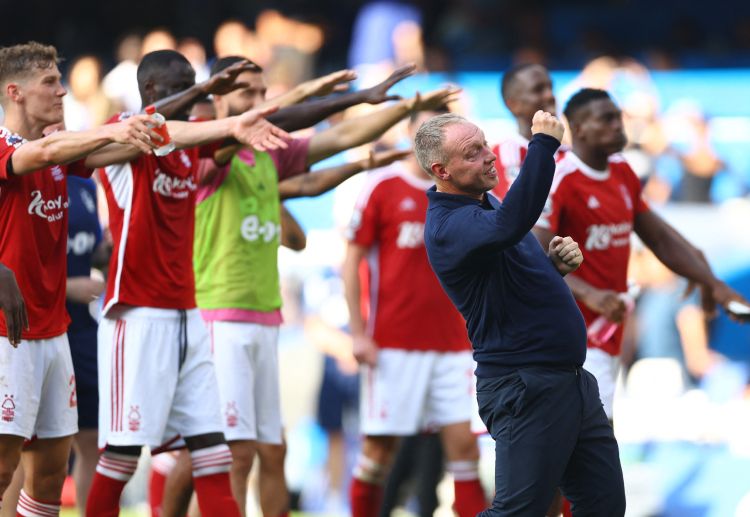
(602, 329)
(160, 128)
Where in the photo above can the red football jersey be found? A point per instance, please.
(34, 238)
(597, 209)
(510, 155)
(408, 308)
(151, 203)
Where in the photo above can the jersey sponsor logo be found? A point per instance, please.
(593, 203)
(170, 186)
(605, 236)
(410, 235)
(407, 204)
(50, 209)
(8, 408)
(253, 229)
(81, 243)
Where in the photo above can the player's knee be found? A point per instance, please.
(465, 449)
(380, 449)
(242, 458)
(46, 484)
(6, 476)
(272, 457)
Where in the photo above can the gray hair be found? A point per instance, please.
(429, 140)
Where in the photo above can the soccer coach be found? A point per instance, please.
(541, 408)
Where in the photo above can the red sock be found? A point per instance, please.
(366, 490)
(30, 507)
(161, 465)
(469, 494)
(112, 474)
(469, 498)
(366, 498)
(567, 512)
(156, 491)
(211, 481)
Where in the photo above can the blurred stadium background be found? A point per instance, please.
(681, 74)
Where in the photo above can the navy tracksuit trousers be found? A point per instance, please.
(550, 431)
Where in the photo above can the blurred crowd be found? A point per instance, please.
(678, 150)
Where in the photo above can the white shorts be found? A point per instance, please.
(246, 357)
(38, 389)
(411, 391)
(605, 368)
(156, 378)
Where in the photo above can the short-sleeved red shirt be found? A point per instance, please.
(34, 238)
(408, 308)
(597, 209)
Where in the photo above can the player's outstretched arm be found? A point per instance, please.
(318, 87)
(318, 182)
(292, 234)
(220, 83)
(12, 305)
(360, 130)
(250, 129)
(64, 147)
(308, 114)
(675, 252)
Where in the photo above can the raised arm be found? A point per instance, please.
(64, 147)
(318, 182)
(310, 113)
(250, 128)
(318, 87)
(220, 83)
(505, 226)
(359, 130)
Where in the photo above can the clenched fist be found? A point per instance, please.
(548, 124)
(565, 254)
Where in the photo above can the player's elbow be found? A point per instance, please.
(296, 243)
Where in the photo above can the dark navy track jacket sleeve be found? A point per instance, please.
(512, 220)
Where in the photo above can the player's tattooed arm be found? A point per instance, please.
(318, 182)
(366, 128)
